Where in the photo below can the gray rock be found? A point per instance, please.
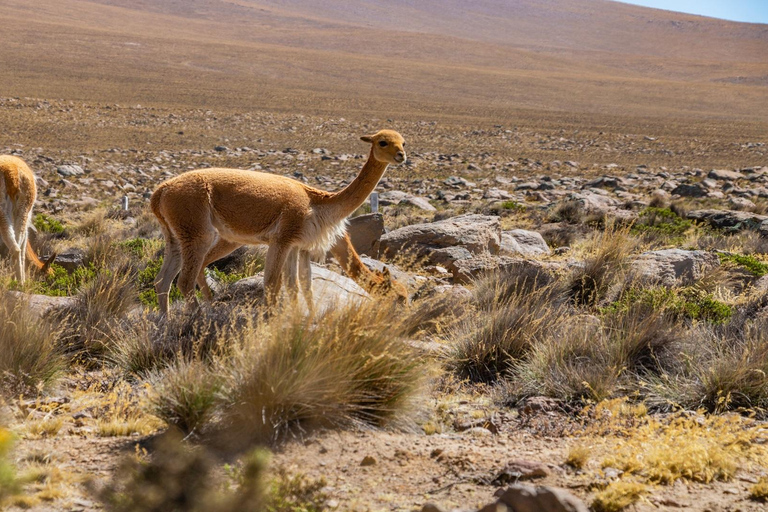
(673, 266)
(467, 270)
(475, 234)
(365, 231)
(329, 289)
(525, 498)
(729, 219)
(686, 190)
(521, 241)
(397, 197)
(70, 170)
(70, 259)
(741, 203)
(496, 194)
(520, 470)
(41, 305)
(717, 174)
(598, 202)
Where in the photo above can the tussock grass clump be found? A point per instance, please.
(185, 394)
(578, 456)
(176, 476)
(154, 341)
(95, 318)
(29, 359)
(570, 211)
(9, 484)
(662, 224)
(759, 491)
(618, 496)
(603, 268)
(288, 375)
(488, 345)
(592, 359)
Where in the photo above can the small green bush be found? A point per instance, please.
(146, 284)
(45, 224)
(749, 263)
(63, 283)
(662, 223)
(8, 482)
(691, 303)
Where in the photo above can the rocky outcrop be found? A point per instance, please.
(673, 266)
(527, 243)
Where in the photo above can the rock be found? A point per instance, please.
(525, 498)
(741, 203)
(329, 289)
(686, 190)
(673, 266)
(431, 507)
(537, 404)
(472, 234)
(520, 470)
(396, 197)
(521, 241)
(495, 507)
(70, 259)
(467, 270)
(716, 174)
(41, 305)
(70, 170)
(368, 461)
(729, 219)
(611, 182)
(221, 148)
(596, 203)
(365, 231)
(497, 194)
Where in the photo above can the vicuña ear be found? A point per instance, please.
(366, 138)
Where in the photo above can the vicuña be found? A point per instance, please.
(208, 213)
(17, 197)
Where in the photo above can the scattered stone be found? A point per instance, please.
(741, 203)
(685, 190)
(673, 266)
(517, 470)
(365, 231)
(70, 170)
(527, 243)
(71, 259)
(368, 461)
(716, 174)
(729, 219)
(525, 498)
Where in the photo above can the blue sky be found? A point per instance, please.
(753, 11)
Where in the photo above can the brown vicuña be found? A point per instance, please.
(208, 213)
(17, 197)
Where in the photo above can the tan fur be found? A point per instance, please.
(17, 197)
(205, 214)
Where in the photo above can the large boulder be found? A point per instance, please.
(526, 498)
(729, 219)
(329, 289)
(596, 203)
(41, 305)
(527, 243)
(669, 267)
(690, 190)
(447, 240)
(365, 232)
(720, 174)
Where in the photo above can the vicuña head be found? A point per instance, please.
(208, 213)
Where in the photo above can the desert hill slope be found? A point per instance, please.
(426, 57)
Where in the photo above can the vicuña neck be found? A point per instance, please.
(346, 201)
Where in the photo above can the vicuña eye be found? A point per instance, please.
(383, 143)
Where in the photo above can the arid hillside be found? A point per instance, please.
(489, 58)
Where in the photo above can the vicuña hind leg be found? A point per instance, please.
(193, 252)
(218, 251)
(168, 271)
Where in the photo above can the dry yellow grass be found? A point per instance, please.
(618, 496)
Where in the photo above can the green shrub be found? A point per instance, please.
(690, 302)
(63, 283)
(663, 223)
(749, 263)
(8, 482)
(146, 284)
(45, 224)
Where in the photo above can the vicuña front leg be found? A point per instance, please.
(273, 269)
(305, 280)
(9, 238)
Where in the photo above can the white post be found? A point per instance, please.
(374, 202)
(125, 202)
